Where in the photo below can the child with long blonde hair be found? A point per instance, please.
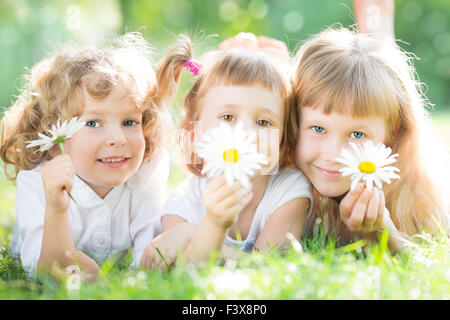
(351, 87)
(115, 167)
(203, 215)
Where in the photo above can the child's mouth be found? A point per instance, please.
(329, 173)
(113, 162)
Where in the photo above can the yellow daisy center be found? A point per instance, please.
(231, 155)
(367, 167)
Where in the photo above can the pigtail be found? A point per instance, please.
(169, 69)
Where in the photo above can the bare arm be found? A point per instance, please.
(57, 239)
(177, 234)
(171, 220)
(289, 218)
(57, 176)
(223, 203)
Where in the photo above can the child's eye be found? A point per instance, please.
(129, 123)
(357, 134)
(227, 117)
(92, 123)
(263, 123)
(318, 129)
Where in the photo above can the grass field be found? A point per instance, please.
(319, 271)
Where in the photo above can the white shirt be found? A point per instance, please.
(286, 185)
(128, 216)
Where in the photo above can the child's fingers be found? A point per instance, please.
(379, 223)
(359, 210)
(225, 191)
(240, 205)
(57, 272)
(234, 198)
(346, 205)
(58, 173)
(372, 212)
(89, 277)
(215, 183)
(58, 163)
(65, 183)
(151, 260)
(144, 258)
(161, 259)
(82, 260)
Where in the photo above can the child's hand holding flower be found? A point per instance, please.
(363, 209)
(231, 158)
(57, 174)
(223, 202)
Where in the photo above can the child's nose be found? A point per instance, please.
(332, 149)
(248, 124)
(116, 137)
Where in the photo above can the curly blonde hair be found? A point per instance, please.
(347, 72)
(54, 89)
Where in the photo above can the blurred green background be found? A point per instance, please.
(29, 29)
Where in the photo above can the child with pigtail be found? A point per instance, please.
(246, 89)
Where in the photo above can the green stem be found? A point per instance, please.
(71, 197)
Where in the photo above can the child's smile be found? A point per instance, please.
(328, 173)
(114, 161)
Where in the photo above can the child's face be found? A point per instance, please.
(110, 148)
(257, 107)
(321, 140)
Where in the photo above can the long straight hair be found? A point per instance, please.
(351, 73)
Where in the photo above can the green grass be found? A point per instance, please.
(319, 271)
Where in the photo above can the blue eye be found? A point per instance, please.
(318, 129)
(357, 134)
(92, 123)
(129, 123)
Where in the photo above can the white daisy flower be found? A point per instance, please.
(368, 163)
(59, 134)
(231, 152)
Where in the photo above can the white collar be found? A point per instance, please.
(87, 198)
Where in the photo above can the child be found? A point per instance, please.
(251, 87)
(352, 88)
(115, 167)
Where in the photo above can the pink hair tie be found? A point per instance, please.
(192, 66)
